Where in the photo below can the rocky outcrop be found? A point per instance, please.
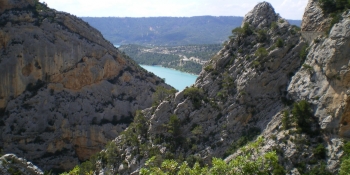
(261, 16)
(314, 19)
(325, 83)
(235, 97)
(258, 84)
(11, 164)
(65, 91)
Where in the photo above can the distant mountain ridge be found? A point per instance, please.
(167, 30)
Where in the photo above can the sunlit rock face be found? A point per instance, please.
(11, 164)
(65, 91)
(252, 84)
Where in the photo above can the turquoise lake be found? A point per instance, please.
(179, 80)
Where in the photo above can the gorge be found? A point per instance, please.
(273, 86)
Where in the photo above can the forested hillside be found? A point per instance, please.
(167, 30)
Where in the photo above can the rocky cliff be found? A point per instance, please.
(11, 164)
(65, 91)
(268, 80)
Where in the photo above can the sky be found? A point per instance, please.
(289, 9)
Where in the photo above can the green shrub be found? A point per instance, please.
(173, 125)
(345, 167)
(209, 68)
(161, 94)
(261, 52)
(345, 161)
(320, 169)
(198, 130)
(330, 6)
(195, 94)
(262, 36)
(303, 53)
(255, 63)
(302, 115)
(246, 29)
(242, 164)
(14, 171)
(237, 31)
(247, 136)
(274, 25)
(285, 120)
(320, 152)
(279, 43)
(220, 95)
(308, 67)
(278, 169)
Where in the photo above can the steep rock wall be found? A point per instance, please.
(65, 91)
(245, 88)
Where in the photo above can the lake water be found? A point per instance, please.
(179, 80)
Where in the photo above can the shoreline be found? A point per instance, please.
(170, 68)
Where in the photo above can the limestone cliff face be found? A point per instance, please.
(250, 86)
(65, 91)
(11, 164)
(314, 19)
(237, 94)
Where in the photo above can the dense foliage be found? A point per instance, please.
(249, 161)
(331, 6)
(302, 115)
(195, 94)
(345, 163)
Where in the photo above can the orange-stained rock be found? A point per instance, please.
(65, 91)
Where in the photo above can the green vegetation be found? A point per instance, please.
(303, 53)
(247, 136)
(40, 6)
(161, 94)
(262, 36)
(274, 25)
(167, 31)
(261, 52)
(334, 8)
(331, 6)
(162, 31)
(170, 56)
(345, 161)
(302, 115)
(84, 169)
(196, 96)
(286, 120)
(246, 30)
(173, 126)
(279, 43)
(244, 163)
(306, 66)
(320, 169)
(255, 63)
(209, 68)
(320, 152)
(14, 171)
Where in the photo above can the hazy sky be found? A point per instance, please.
(290, 9)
